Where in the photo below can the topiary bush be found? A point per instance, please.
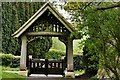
(6, 59)
(54, 54)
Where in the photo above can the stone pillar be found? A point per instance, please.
(70, 72)
(23, 53)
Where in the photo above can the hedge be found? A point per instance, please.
(6, 59)
(15, 62)
(9, 60)
(54, 54)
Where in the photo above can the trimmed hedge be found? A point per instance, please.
(6, 59)
(15, 62)
(54, 54)
(10, 60)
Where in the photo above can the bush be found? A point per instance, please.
(15, 62)
(54, 54)
(10, 60)
(90, 61)
(6, 59)
(78, 64)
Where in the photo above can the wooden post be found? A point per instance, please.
(23, 53)
(69, 72)
(46, 67)
(70, 55)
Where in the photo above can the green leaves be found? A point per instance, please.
(39, 47)
(14, 15)
(102, 27)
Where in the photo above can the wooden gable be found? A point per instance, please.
(46, 20)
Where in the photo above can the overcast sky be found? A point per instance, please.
(62, 11)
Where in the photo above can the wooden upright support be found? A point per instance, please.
(70, 55)
(69, 72)
(23, 53)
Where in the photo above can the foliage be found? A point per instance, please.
(54, 54)
(0, 72)
(6, 59)
(14, 15)
(93, 78)
(76, 48)
(12, 76)
(57, 44)
(8, 68)
(41, 46)
(90, 61)
(78, 63)
(80, 72)
(102, 27)
(15, 62)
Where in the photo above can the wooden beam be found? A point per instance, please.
(47, 34)
(61, 18)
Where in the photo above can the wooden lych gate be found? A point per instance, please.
(47, 21)
(45, 66)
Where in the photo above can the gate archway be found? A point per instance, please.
(47, 21)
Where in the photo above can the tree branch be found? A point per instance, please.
(108, 7)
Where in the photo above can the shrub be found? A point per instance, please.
(54, 54)
(15, 62)
(6, 59)
(78, 64)
(90, 61)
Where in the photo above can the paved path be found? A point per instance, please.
(50, 77)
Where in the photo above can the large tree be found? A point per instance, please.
(101, 23)
(14, 15)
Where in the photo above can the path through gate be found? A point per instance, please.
(46, 66)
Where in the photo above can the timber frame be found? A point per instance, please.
(47, 21)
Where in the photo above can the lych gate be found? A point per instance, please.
(47, 21)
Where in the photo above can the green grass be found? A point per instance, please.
(11, 76)
(7, 68)
(0, 72)
(79, 71)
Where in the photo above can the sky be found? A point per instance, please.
(62, 11)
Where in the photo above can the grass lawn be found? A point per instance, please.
(11, 76)
(4, 68)
(79, 71)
